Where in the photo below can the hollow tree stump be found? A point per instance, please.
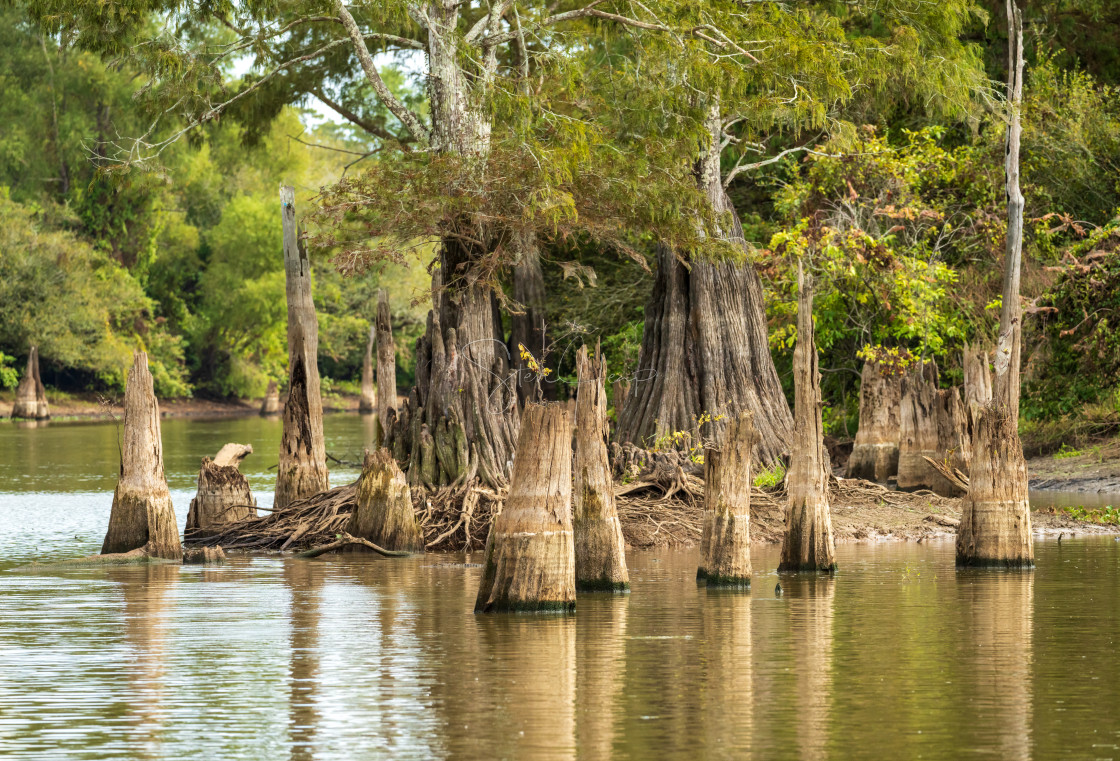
(366, 402)
(875, 451)
(600, 547)
(302, 471)
(271, 403)
(725, 538)
(995, 528)
(31, 395)
(530, 557)
(918, 427)
(142, 516)
(808, 544)
(384, 513)
(386, 366)
(223, 494)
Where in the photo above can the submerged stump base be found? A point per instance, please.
(725, 539)
(384, 513)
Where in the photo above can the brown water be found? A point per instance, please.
(898, 657)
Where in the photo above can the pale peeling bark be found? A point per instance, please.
(386, 366)
(384, 513)
(995, 527)
(530, 556)
(31, 395)
(725, 539)
(918, 427)
(303, 456)
(808, 544)
(875, 451)
(142, 516)
(600, 547)
(366, 401)
(223, 494)
(705, 344)
(271, 403)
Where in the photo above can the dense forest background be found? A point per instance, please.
(903, 212)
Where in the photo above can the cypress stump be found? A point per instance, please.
(271, 403)
(142, 516)
(725, 539)
(995, 527)
(384, 513)
(31, 395)
(977, 382)
(808, 543)
(530, 556)
(954, 440)
(366, 402)
(386, 367)
(918, 427)
(875, 451)
(223, 494)
(600, 547)
(303, 456)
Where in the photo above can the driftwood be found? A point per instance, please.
(386, 367)
(875, 451)
(600, 547)
(303, 460)
(31, 395)
(808, 543)
(384, 513)
(142, 516)
(271, 403)
(725, 540)
(223, 494)
(366, 402)
(345, 540)
(529, 562)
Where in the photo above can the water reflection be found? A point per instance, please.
(810, 600)
(600, 669)
(727, 697)
(305, 582)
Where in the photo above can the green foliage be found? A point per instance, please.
(770, 478)
(1107, 515)
(9, 375)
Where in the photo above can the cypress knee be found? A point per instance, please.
(918, 427)
(223, 494)
(875, 451)
(303, 456)
(271, 403)
(365, 399)
(600, 547)
(384, 513)
(142, 514)
(725, 539)
(386, 366)
(530, 558)
(808, 543)
(995, 527)
(31, 395)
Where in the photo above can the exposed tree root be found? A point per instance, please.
(345, 540)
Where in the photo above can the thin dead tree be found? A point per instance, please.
(600, 547)
(995, 527)
(875, 451)
(303, 456)
(223, 495)
(366, 402)
(142, 518)
(386, 366)
(808, 544)
(725, 539)
(529, 560)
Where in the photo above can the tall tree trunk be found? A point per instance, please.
(530, 557)
(384, 513)
(995, 525)
(223, 494)
(808, 543)
(600, 547)
(270, 405)
(725, 539)
(875, 452)
(386, 367)
(142, 514)
(918, 427)
(527, 328)
(705, 346)
(303, 455)
(366, 402)
(31, 395)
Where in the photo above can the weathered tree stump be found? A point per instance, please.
(223, 494)
(31, 395)
(384, 513)
(366, 402)
(142, 516)
(725, 538)
(530, 556)
(271, 403)
(918, 427)
(303, 455)
(977, 382)
(808, 544)
(875, 451)
(205, 556)
(386, 367)
(600, 547)
(954, 439)
(995, 527)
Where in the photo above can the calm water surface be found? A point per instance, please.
(898, 657)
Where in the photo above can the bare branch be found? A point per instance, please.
(741, 167)
(356, 120)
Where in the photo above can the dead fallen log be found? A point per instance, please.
(345, 540)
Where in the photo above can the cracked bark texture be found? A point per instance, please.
(918, 427)
(386, 366)
(384, 513)
(223, 494)
(725, 538)
(875, 451)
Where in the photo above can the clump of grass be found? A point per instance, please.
(1065, 452)
(768, 478)
(1107, 515)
